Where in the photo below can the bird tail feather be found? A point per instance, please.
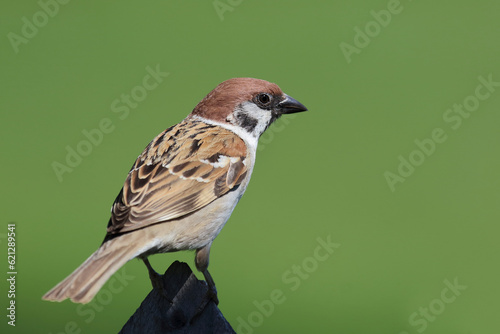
(84, 283)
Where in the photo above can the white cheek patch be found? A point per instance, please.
(252, 118)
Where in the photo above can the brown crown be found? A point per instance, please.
(222, 101)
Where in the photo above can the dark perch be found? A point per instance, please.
(191, 312)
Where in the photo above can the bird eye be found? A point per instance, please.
(264, 98)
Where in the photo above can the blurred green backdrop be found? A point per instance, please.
(378, 78)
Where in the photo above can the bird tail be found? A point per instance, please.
(84, 283)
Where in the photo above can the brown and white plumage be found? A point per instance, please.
(184, 186)
(183, 169)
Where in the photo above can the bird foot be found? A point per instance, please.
(157, 281)
(212, 294)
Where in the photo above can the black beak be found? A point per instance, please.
(290, 105)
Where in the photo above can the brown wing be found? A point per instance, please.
(182, 170)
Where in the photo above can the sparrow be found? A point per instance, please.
(184, 186)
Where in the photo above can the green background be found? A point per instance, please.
(319, 174)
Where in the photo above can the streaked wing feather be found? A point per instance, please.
(182, 170)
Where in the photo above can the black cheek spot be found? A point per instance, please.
(247, 122)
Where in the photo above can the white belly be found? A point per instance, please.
(195, 230)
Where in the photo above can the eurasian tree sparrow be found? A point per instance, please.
(182, 189)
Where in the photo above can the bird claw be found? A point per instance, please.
(212, 295)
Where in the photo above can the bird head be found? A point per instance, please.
(250, 104)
